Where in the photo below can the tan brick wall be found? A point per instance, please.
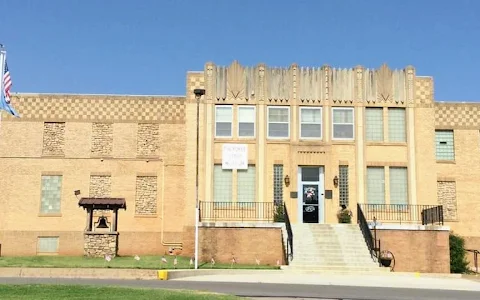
(447, 196)
(425, 251)
(102, 139)
(53, 138)
(146, 195)
(100, 186)
(147, 139)
(245, 244)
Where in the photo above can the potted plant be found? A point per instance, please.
(344, 215)
(386, 258)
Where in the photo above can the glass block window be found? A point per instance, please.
(398, 185)
(223, 120)
(246, 184)
(374, 124)
(376, 185)
(396, 125)
(278, 122)
(444, 140)
(222, 184)
(343, 184)
(51, 194)
(342, 123)
(278, 184)
(246, 121)
(47, 245)
(311, 122)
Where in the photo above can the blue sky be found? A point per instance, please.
(147, 46)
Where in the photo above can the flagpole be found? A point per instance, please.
(3, 56)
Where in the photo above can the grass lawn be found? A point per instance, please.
(44, 292)
(127, 262)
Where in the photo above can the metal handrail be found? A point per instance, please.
(367, 235)
(404, 213)
(289, 234)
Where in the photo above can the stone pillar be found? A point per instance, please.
(99, 244)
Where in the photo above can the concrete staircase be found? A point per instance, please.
(331, 247)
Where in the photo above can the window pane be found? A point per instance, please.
(343, 131)
(374, 123)
(51, 194)
(223, 114)
(375, 185)
(246, 129)
(343, 184)
(398, 185)
(311, 130)
(246, 185)
(47, 245)
(311, 115)
(278, 114)
(246, 114)
(222, 184)
(278, 184)
(343, 116)
(223, 129)
(445, 148)
(278, 130)
(310, 174)
(396, 125)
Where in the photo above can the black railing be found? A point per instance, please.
(372, 243)
(404, 213)
(289, 234)
(475, 258)
(237, 211)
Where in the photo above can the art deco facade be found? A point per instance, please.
(346, 136)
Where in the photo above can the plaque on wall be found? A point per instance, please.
(328, 194)
(294, 195)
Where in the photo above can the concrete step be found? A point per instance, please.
(337, 268)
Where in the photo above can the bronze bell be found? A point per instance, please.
(102, 222)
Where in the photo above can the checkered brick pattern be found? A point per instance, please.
(451, 115)
(194, 81)
(423, 90)
(86, 108)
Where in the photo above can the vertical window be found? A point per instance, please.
(374, 124)
(396, 125)
(310, 122)
(376, 185)
(342, 123)
(51, 194)
(343, 184)
(278, 122)
(445, 148)
(246, 121)
(278, 184)
(398, 185)
(47, 245)
(222, 184)
(223, 120)
(246, 185)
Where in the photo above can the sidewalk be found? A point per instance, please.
(414, 281)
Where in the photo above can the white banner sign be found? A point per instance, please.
(235, 156)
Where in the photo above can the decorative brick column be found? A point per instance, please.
(99, 244)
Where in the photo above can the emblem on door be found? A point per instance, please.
(309, 208)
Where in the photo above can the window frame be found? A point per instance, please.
(333, 123)
(268, 123)
(371, 108)
(405, 124)
(300, 123)
(453, 145)
(231, 121)
(239, 107)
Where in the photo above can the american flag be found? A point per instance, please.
(7, 83)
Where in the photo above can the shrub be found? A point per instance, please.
(279, 214)
(458, 259)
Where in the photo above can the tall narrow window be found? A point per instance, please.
(278, 122)
(222, 184)
(342, 123)
(246, 121)
(278, 184)
(375, 185)
(223, 120)
(246, 185)
(310, 122)
(51, 194)
(398, 185)
(396, 125)
(343, 184)
(444, 140)
(374, 124)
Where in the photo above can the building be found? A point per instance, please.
(321, 135)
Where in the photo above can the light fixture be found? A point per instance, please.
(287, 180)
(335, 181)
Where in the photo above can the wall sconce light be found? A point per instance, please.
(335, 181)
(287, 180)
